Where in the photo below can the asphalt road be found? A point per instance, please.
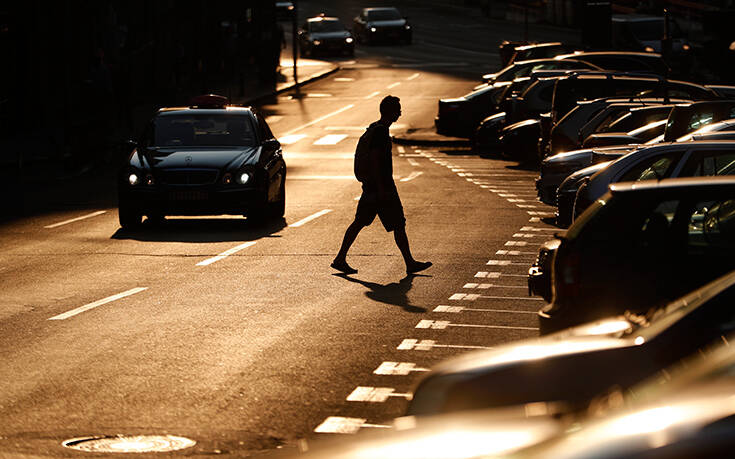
(242, 338)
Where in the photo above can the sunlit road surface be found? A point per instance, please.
(242, 338)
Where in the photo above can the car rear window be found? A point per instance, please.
(203, 131)
(384, 15)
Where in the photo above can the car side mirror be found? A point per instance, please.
(271, 145)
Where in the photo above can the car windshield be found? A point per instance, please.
(203, 131)
(327, 25)
(384, 15)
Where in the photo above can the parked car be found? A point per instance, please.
(637, 136)
(542, 51)
(323, 35)
(686, 159)
(524, 68)
(639, 246)
(603, 115)
(685, 118)
(575, 365)
(206, 159)
(382, 25)
(623, 61)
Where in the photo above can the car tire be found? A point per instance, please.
(129, 218)
(278, 209)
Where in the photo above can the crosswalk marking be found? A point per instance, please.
(290, 139)
(331, 139)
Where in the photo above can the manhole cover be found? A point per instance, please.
(129, 444)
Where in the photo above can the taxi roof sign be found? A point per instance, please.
(208, 101)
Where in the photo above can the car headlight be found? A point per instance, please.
(649, 49)
(408, 27)
(317, 42)
(349, 40)
(149, 179)
(373, 29)
(243, 177)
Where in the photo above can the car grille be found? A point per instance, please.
(189, 177)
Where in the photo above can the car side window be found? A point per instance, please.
(264, 132)
(712, 225)
(710, 163)
(698, 120)
(654, 168)
(655, 232)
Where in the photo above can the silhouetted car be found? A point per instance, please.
(685, 159)
(685, 118)
(384, 24)
(520, 69)
(640, 245)
(325, 35)
(622, 61)
(637, 136)
(542, 51)
(575, 365)
(206, 159)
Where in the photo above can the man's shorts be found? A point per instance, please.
(389, 210)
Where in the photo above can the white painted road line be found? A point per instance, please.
(504, 263)
(391, 86)
(343, 425)
(344, 79)
(290, 139)
(89, 306)
(458, 309)
(226, 253)
(397, 368)
(443, 324)
(532, 228)
(464, 296)
(321, 118)
(413, 162)
(486, 286)
(412, 176)
(375, 394)
(513, 253)
(428, 344)
(412, 77)
(72, 220)
(371, 95)
(496, 275)
(401, 149)
(527, 298)
(321, 177)
(309, 218)
(331, 139)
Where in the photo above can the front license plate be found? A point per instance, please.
(189, 195)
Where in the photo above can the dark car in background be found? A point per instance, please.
(382, 25)
(622, 61)
(640, 245)
(542, 51)
(323, 35)
(206, 159)
(525, 68)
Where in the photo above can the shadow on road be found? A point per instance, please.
(395, 293)
(201, 230)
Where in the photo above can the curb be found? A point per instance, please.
(290, 86)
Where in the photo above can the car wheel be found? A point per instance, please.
(278, 209)
(129, 218)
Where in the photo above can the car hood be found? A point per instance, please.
(591, 337)
(390, 23)
(208, 158)
(576, 156)
(327, 35)
(570, 183)
(533, 370)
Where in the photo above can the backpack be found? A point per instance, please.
(363, 168)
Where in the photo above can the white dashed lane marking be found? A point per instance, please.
(344, 425)
(411, 176)
(291, 139)
(487, 286)
(226, 253)
(428, 344)
(398, 368)
(95, 304)
(309, 218)
(443, 324)
(72, 220)
(375, 394)
(458, 309)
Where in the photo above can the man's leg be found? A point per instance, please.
(412, 266)
(340, 261)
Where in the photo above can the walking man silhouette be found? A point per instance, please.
(379, 194)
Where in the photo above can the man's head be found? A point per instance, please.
(390, 108)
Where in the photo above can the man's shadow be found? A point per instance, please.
(394, 293)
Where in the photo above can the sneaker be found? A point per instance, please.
(417, 266)
(343, 267)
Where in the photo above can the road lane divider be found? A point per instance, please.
(429, 344)
(97, 303)
(375, 394)
(226, 253)
(372, 94)
(412, 176)
(72, 220)
(413, 77)
(458, 309)
(321, 118)
(443, 324)
(393, 85)
(309, 218)
(345, 425)
(398, 368)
